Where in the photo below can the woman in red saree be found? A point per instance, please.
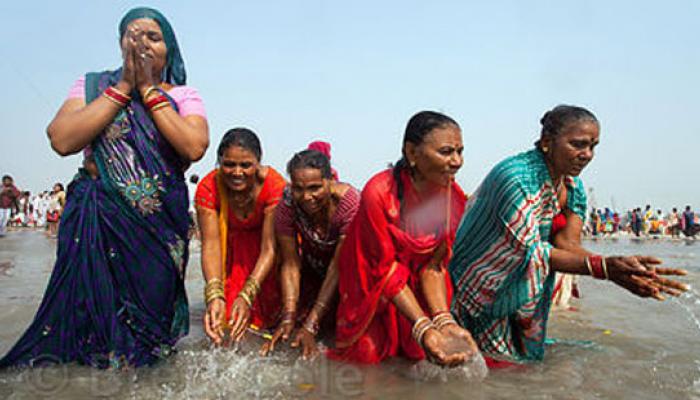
(392, 264)
(235, 210)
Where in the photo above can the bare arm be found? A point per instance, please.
(211, 247)
(77, 124)
(267, 248)
(213, 320)
(290, 272)
(408, 305)
(433, 282)
(290, 275)
(329, 286)
(189, 135)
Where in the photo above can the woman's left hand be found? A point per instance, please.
(460, 336)
(306, 339)
(240, 316)
(641, 276)
(143, 59)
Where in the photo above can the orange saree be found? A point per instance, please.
(240, 243)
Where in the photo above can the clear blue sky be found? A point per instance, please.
(354, 72)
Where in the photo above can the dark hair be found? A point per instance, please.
(418, 127)
(6, 177)
(560, 117)
(194, 178)
(60, 185)
(241, 137)
(310, 159)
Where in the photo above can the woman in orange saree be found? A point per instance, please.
(235, 210)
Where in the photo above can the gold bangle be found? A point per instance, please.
(245, 298)
(588, 265)
(605, 268)
(213, 284)
(160, 105)
(148, 91)
(250, 291)
(252, 281)
(214, 280)
(214, 296)
(121, 93)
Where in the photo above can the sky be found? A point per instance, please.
(353, 73)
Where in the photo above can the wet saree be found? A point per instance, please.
(315, 250)
(241, 243)
(501, 261)
(116, 296)
(385, 249)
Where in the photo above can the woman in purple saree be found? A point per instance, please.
(116, 296)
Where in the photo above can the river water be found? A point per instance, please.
(615, 346)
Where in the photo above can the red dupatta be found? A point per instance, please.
(383, 250)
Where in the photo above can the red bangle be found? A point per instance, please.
(155, 101)
(117, 96)
(597, 267)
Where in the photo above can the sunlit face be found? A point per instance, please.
(310, 190)
(239, 168)
(438, 158)
(149, 42)
(571, 151)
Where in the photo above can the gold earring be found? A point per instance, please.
(412, 164)
(545, 149)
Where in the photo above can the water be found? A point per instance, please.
(615, 346)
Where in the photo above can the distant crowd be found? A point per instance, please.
(642, 223)
(20, 208)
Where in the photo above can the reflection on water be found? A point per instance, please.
(615, 346)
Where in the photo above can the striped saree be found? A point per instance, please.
(501, 261)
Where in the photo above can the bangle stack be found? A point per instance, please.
(148, 92)
(214, 289)
(421, 326)
(157, 102)
(442, 319)
(288, 317)
(250, 290)
(116, 96)
(597, 267)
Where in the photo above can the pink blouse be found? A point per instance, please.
(186, 97)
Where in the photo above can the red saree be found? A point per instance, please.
(241, 248)
(383, 252)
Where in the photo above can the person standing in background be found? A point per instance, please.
(674, 223)
(9, 196)
(689, 222)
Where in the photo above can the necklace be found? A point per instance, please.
(241, 203)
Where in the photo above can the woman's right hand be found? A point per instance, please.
(436, 345)
(283, 331)
(213, 320)
(128, 78)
